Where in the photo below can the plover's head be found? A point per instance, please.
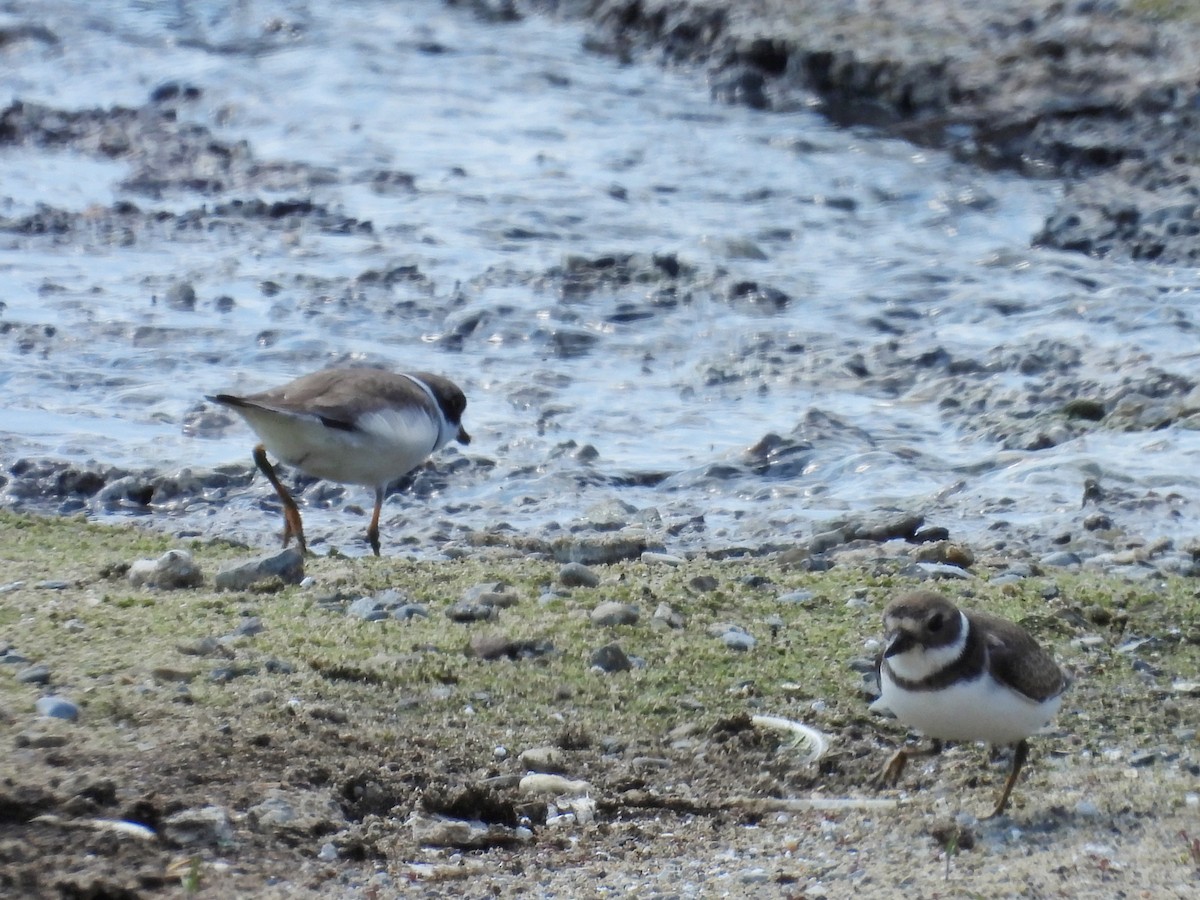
(451, 400)
(924, 631)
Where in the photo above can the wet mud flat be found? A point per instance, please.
(1102, 94)
(504, 725)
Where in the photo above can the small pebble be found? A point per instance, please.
(464, 611)
(1061, 559)
(287, 565)
(37, 674)
(368, 609)
(53, 707)
(248, 627)
(799, 598)
(738, 640)
(543, 759)
(542, 784)
(611, 658)
(575, 574)
(651, 557)
(611, 613)
(665, 616)
(174, 570)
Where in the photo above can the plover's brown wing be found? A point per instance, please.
(340, 397)
(1017, 660)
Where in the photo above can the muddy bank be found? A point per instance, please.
(1097, 93)
(586, 730)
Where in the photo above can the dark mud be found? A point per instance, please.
(1102, 94)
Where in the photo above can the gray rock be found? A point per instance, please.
(208, 826)
(599, 549)
(54, 707)
(248, 627)
(611, 658)
(610, 515)
(610, 613)
(799, 598)
(575, 574)
(939, 570)
(286, 565)
(484, 588)
(174, 570)
(181, 296)
(40, 739)
(501, 646)
(736, 639)
(491, 594)
(208, 646)
(36, 674)
(409, 611)
(826, 540)
(368, 609)
(378, 606)
(666, 617)
(544, 759)
(463, 611)
(226, 674)
(654, 558)
(132, 491)
(440, 831)
(297, 812)
(1061, 559)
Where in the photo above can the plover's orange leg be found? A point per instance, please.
(891, 772)
(291, 513)
(373, 528)
(1020, 755)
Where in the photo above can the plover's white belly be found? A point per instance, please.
(384, 446)
(979, 710)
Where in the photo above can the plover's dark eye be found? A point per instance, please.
(935, 622)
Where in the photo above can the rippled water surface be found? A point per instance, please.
(525, 152)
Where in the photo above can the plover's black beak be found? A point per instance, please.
(462, 437)
(897, 642)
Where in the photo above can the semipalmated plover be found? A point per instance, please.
(356, 426)
(961, 675)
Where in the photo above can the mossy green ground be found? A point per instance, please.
(320, 700)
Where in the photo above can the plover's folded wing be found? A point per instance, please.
(1018, 661)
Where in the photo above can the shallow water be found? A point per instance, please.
(524, 151)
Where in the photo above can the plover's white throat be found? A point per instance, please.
(961, 675)
(356, 426)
